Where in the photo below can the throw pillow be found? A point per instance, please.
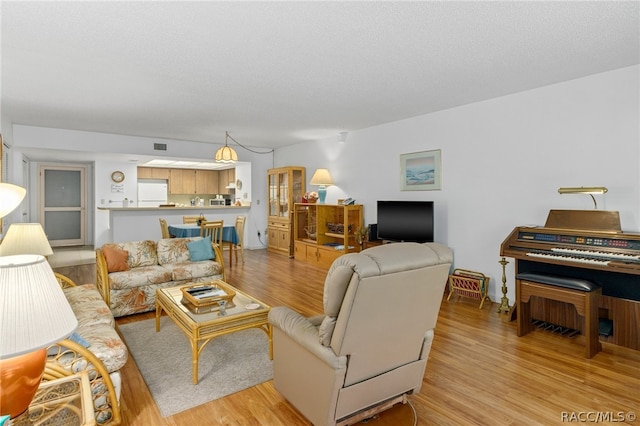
(201, 250)
(116, 258)
(326, 330)
(75, 337)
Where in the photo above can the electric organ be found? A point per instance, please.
(587, 245)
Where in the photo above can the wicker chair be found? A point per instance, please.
(64, 281)
(67, 357)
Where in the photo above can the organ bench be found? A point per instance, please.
(582, 294)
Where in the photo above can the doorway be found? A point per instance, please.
(62, 204)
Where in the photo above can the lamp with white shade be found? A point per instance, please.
(322, 178)
(34, 314)
(25, 238)
(10, 197)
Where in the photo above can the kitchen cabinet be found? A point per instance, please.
(286, 186)
(153, 173)
(190, 181)
(182, 181)
(225, 177)
(206, 182)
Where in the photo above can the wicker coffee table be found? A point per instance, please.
(242, 313)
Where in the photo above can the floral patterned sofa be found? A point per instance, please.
(95, 347)
(128, 274)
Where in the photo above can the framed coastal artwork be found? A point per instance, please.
(420, 171)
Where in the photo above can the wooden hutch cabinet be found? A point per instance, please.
(286, 186)
(323, 232)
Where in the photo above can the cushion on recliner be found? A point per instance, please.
(335, 286)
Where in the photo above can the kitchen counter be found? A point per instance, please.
(176, 208)
(143, 223)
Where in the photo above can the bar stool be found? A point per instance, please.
(582, 294)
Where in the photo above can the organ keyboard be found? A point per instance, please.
(610, 250)
(588, 245)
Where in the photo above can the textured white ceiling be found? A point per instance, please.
(277, 73)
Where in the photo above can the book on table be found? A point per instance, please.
(206, 294)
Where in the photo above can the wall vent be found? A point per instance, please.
(159, 146)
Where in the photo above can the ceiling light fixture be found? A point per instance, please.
(590, 190)
(228, 155)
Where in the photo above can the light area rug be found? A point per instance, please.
(228, 363)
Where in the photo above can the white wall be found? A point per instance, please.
(503, 161)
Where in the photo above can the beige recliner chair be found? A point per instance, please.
(372, 343)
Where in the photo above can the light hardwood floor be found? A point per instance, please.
(479, 372)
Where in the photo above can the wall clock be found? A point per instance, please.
(117, 176)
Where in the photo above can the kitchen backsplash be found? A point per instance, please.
(186, 198)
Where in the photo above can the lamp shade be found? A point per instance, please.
(226, 154)
(321, 177)
(34, 312)
(10, 197)
(25, 238)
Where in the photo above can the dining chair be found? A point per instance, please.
(213, 228)
(239, 246)
(191, 219)
(164, 228)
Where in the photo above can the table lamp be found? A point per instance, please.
(10, 197)
(25, 238)
(322, 178)
(34, 314)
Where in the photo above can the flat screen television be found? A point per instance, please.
(406, 221)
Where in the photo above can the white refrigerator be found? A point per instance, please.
(152, 194)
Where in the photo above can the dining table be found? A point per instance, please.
(229, 235)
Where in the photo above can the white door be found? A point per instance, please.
(62, 204)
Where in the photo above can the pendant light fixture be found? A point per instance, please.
(226, 154)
